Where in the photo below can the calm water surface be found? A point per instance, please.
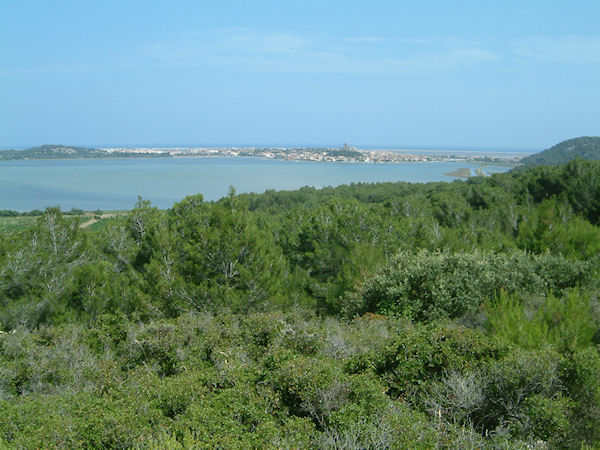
(116, 183)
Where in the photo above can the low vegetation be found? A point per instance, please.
(455, 315)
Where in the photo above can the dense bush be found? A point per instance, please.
(433, 285)
(427, 352)
(563, 322)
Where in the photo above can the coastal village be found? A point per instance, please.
(345, 154)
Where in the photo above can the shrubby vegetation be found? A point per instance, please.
(461, 315)
(427, 286)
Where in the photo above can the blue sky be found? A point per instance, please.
(477, 74)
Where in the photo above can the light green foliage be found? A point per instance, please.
(552, 227)
(584, 386)
(78, 421)
(563, 322)
(507, 318)
(12, 224)
(243, 381)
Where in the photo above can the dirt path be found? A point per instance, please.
(93, 219)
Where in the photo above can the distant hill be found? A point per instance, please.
(582, 147)
(67, 152)
(53, 152)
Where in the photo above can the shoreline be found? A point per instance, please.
(482, 160)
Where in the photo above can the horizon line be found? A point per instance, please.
(367, 147)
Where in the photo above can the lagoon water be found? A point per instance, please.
(114, 184)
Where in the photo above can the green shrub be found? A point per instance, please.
(363, 335)
(78, 421)
(393, 426)
(565, 323)
(318, 389)
(549, 418)
(583, 379)
(426, 286)
(512, 383)
(174, 395)
(47, 360)
(241, 416)
(157, 344)
(508, 319)
(570, 323)
(456, 397)
(426, 353)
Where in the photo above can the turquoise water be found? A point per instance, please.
(116, 183)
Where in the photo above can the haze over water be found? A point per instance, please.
(114, 184)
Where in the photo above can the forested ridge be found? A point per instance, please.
(456, 315)
(587, 147)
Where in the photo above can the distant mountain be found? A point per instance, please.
(582, 147)
(67, 152)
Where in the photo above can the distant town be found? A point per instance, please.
(345, 154)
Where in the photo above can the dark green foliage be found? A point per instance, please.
(9, 213)
(519, 388)
(582, 188)
(345, 152)
(222, 255)
(417, 356)
(522, 394)
(52, 152)
(554, 228)
(321, 390)
(335, 245)
(578, 182)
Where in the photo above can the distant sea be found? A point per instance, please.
(115, 184)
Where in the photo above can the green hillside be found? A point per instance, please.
(583, 147)
(67, 152)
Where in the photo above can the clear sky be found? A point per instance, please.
(483, 73)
